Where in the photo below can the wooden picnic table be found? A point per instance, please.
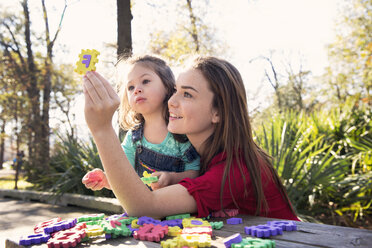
(307, 235)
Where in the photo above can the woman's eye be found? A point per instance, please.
(186, 94)
(146, 81)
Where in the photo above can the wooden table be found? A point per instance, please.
(307, 235)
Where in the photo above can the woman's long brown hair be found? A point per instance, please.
(233, 134)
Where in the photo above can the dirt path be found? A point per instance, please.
(6, 172)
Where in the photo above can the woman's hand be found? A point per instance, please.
(165, 179)
(101, 102)
(96, 180)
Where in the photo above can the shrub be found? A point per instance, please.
(71, 160)
(324, 159)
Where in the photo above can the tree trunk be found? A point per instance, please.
(124, 28)
(17, 164)
(2, 144)
(16, 131)
(45, 129)
(34, 96)
(124, 47)
(194, 30)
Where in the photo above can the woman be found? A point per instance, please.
(210, 107)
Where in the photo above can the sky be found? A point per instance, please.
(251, 28)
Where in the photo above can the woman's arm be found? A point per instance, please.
(101, 101)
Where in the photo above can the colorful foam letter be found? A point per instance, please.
(87, 61)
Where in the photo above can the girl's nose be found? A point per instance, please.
(138, 90)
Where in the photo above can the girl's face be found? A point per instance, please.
(145, 90)
(190, 108)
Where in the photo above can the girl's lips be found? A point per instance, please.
(140, 99)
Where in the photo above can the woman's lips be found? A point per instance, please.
(174, 117)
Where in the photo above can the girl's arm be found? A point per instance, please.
(178, 176)
(129, 147)
(169, 178)
(101, 101)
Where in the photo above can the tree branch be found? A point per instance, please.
(50, 44)
(17, 50)
(11, 59)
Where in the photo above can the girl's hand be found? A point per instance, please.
(165, 179)
(101, 101)
(96, 180)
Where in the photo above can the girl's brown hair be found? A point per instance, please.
(234, 130)
(127, 117)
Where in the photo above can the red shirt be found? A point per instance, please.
(206, 192)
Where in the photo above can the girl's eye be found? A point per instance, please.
(186, 94)
(146, 81)
(130, 88)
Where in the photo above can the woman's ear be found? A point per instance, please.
(215, 116)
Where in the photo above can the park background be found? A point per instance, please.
(306, 66)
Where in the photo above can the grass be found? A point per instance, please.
(7, 182)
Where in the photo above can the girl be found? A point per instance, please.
(210, 108)
(144, 111)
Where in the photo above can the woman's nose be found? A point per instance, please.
(172, 102)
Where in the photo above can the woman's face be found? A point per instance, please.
(190, 108)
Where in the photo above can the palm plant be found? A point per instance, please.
(72, 159)
(324, 159)
(355, 191)
(306, 164)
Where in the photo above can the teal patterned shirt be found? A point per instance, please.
(169, 146)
